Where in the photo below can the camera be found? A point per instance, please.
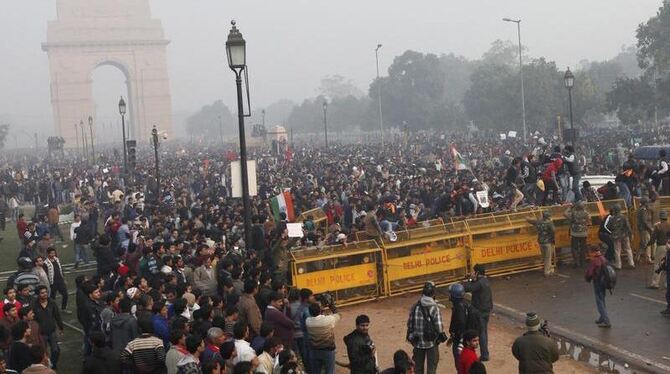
(326, 298)
(544, 329)
(662, 266)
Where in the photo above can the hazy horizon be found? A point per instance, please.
(294, 43)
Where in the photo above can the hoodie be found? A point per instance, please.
(124, 329)
(416, 322)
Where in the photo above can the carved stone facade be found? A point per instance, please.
(121, 33)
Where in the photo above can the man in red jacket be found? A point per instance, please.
(592, 275)
(468, 355)
(282, 323)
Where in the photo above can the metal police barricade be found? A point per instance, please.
(562, 225)
(429, 227)
(430, 251)
(318, 217)
(350, 272)
(506, 244)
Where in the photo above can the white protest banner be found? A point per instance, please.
(483, 198)
(511, 134)
(294, 230)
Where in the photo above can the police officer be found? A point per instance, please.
(621, 233)
(579, 221)
(644, 229)
(546, 237)
(659, 237)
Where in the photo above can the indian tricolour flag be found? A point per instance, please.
(283, 203)
(459, 161)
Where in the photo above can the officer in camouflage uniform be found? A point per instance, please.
(659, 239)
(579, 222)
(644, 229)
(621, 233)
(546, 237)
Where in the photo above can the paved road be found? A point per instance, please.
(567, 301)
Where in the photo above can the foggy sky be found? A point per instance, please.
(292, 44)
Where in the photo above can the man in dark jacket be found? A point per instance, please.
(106, 261)
(124, 326)
(48, 317)
(593, 275)
(536, 352)
(90, 319)
(482, 300)
(102, 359)
(360, 348)
(282, 323)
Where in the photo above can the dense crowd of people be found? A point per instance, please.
(178, 290)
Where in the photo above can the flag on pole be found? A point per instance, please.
(283, 203)
(459, 161)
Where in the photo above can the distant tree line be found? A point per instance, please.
(425, 90)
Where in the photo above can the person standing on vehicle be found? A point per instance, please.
(482, 300)
(659, 238)
(572, 166)
(579, 224)
(546, 238)
(535, 352)
(593, 275)
(360, 348)
(644, 229)
(424, 327)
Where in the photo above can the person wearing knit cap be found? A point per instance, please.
(535, 352)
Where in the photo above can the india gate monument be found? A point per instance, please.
(88, 34)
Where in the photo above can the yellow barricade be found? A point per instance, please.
(507, 244)
(318, 217)
(351, 272)
(432, 251)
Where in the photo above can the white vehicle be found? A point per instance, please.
(597, 181)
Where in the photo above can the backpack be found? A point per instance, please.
(607, 277)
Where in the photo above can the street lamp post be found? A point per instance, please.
(83, 136)
(236, 52)
(325, 121)
(154, 138)
(122, 111)
(523, 98)
(379, 95)
(569, 79)
(90, 126)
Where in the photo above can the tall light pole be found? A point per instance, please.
(156, 144)
(379, 95)
(237, 61)
(263, 113)
(90, 127)
(325, 121)
(76, 133)
(122, 111)
(83, 136)
(569, 80)
(523, 98)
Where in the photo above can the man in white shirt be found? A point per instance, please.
(321, 330)
(242, 346)
(74, 225)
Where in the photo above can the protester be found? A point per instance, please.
(360, 348)
(468, 354)
(482, 301)
(594, 275)
(535, 352)
(424, 327)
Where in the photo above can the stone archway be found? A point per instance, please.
(121, 33)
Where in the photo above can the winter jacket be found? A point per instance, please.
(172, 358)
(188, 365)
(536, 353)
(47, 317)
(359, 350)
(481, 294)
(250, 313)
(101, 361)
(283, 325)
(416, 322)
(161, 328)
(124, 329)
